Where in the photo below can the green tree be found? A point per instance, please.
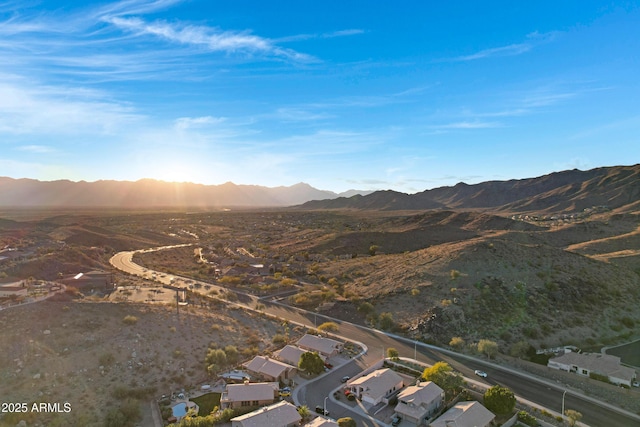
(386, 321)
(392, 353)
(443, 375)
(311, 363)
(231, 351)
(373, 249)
(488, 347)
(216, 357)
(499, 400)
(346, 422)
(519, 349)
(573, 416)
(366, 308)
(457, 343)
(304, 412)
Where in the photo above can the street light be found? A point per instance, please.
(565, 392)
(324, 406)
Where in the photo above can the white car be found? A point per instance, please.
(480, 373)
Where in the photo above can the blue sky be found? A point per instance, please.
(358, 94)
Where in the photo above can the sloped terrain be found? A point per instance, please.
(568, 191)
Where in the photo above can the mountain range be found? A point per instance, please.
(153, 193)
(616, 187)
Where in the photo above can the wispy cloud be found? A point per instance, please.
(211, 39)
(533, 39)
(329, 35)
(510, 50)
(184, 123)
(30, 108)
(467, 125)
(36, 149)
(300, 114)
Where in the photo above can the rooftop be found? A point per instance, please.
(465, 414)
(277, 415)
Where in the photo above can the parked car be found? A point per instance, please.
(345, 378)
(320, 410)
(328, 365)
(285, 392)
(479, 373)
(396, 420)
(635, 384)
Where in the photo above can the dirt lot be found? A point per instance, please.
(86, 353)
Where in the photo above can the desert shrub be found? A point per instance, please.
(392, 353)
(454, 274)
(106, 359)
(456, 342)
(130, 320)
(527, 419)
(279, 339)
(628, 322)
(328, 327)
(599, 377)
(386, 321)
(366, 308)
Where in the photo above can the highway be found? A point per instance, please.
(541, 392)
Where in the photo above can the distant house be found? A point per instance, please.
(13, 290)
(281, 414)
(289, 354)
(377, 386)
(321, 422)
(325, 347)
(418, 403)
(96, 280)
(271, 369)
(597, 363)
(249, 394)
(465, 414)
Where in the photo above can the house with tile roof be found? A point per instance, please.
(418, 403)
(270, 369)
(377, 386)
(281, 414)
(325, 347)
(601, 364)
(465, 414)
(249, 394)
(289, 354)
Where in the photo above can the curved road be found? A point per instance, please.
(542, 392)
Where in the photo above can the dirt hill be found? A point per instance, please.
(568, 191)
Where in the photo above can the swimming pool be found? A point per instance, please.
(179, 410)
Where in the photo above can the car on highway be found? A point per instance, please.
(479, 373)
(320, 410)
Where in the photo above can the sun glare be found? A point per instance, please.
(178, 172)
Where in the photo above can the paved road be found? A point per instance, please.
(539, 392)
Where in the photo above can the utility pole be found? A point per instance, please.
(565, 392)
